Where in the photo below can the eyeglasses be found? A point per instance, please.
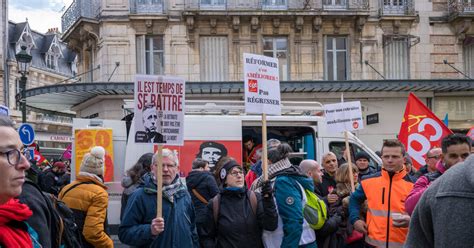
(237, 173)
(14, 156)
(435, 157)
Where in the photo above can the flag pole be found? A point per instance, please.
(159, 182)
(349, 159)
(264, 147)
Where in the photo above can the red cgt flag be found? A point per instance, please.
(421, 130)
(39, 158)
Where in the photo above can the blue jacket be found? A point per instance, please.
(180, 227)
(289, 201)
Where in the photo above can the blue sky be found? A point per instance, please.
(41, 14)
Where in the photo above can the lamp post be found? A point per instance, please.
(23, 59)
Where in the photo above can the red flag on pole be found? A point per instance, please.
(421, 130)
(39, 158)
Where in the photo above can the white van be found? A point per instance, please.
(224, 123)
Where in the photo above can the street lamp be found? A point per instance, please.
(23, 59)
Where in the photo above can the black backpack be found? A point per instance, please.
(63, 226)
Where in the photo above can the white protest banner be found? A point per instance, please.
(159, 109)
(344, 116)
(262, 85)
(4, 110)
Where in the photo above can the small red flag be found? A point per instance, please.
(421, 130)
(39, 158)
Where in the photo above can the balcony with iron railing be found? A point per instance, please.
(276, 5)
(397, 8)
(80, 9)
(147, 7)
(341, 5)
(460, 8)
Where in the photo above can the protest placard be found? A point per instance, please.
(159, 109)
(344, 116)
(262, 85)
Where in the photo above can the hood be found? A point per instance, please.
(440, 166)
(149, 183)
(127, 181)
(305, 181)
(195, 178)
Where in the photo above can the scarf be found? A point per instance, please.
(272, 170)
(11, 234)
(170, 190)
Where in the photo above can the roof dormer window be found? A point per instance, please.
(26, 39)
(53, 54)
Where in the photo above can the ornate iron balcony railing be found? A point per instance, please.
(456, 7)
(146, 6)
(397, 7)
(80, 9)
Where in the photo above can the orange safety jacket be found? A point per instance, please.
(385, 194)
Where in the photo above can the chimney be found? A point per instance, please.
(53, 31)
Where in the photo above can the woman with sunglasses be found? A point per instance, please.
(236, 217)
(14, 231)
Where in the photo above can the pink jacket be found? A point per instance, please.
(420, 186)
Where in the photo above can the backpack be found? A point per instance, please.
(216, 203)
(314, 210)
(63, 225)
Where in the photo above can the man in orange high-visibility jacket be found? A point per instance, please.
(385, 192)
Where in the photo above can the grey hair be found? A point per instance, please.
(327, 154)
(167, 153)
(6, 122)
(279, 152)
(273, 143)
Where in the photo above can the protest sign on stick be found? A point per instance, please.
(262, 93)
(344, 117)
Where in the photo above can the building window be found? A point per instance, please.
(51, 61)
(396, 53)
(395, 7)
(277, 47)
(336, 57)
(150, 55)
(335, 4)
(213, 4)
(214, 58)
(275, 4)
(147, 6)
(469, 56)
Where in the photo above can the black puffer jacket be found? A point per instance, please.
(327, 185)
(237, 226)
(205, 184)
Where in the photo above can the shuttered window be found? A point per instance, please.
(214, 60)
(469, 59)
(396, 58)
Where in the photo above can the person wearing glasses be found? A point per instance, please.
(237, 217)
(431, 159)
(14, 231)
(140, 225)
(455, 149)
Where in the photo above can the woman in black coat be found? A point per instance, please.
(236, 217)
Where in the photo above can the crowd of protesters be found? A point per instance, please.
(392, 205)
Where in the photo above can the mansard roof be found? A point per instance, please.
(43, 43)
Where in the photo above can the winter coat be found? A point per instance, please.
(89, 203)
(180, 227)
(369, 171)
(420, 186)
(205, 184)
(50, 182)
(237, 225)
(289, 199)
(328, 184)
(41, 219)
(385, 193)
(254, 173)
(443, 216)
(129, 188)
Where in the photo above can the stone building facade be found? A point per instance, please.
(315, 40)
(52, 63)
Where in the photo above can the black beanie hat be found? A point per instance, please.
(362, 154)
(226, 168)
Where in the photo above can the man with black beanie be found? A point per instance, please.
(362, 162)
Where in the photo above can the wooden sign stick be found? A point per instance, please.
(264, 147)
(159, 182)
